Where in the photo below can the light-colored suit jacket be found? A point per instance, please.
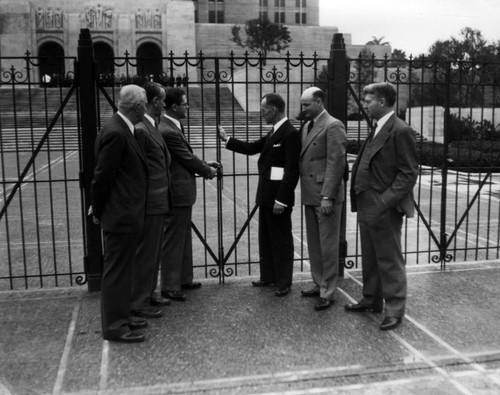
(322, 161)
(184, 166)
(393, 166)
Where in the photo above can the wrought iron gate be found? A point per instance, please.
(46, 150)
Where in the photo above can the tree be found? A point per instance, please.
(472, 66)
(377, 41)
(260, 35)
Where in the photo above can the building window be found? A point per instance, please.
(297, 18)
(279, 3)
(215, 16)
(279, 17)
(304, 19)
(263, 3)
(220, 16)
(262, 15)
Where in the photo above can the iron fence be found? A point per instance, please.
(47, 136)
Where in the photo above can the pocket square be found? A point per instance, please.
(276, 145)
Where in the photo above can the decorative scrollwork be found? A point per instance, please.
(228, 271)
(213, 76)
(214, 272)
(349, 264)
(273, 76)
(81, 280)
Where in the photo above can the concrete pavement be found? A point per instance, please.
(237, 339)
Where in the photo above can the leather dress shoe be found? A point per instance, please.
(157, 300)
(191, 285)
(323, 304)
(361, 308)
(283, 291)
(129, 337)
(174, 295)
(148, 313)
(390, 323)
(136, 323)
(262, 283)
(310, 292)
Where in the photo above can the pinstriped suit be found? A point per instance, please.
(158, 204)
(322, 162)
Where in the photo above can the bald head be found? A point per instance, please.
(312, 102)
(132, 102)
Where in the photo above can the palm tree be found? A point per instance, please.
(377, 41)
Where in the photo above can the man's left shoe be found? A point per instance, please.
(390, 323)
(148, 313)
(323, 304)
(283, 292)
(310, 292)
(157, 300)
(191, 285)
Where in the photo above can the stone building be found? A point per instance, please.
(149, 29)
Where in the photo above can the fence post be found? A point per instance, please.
(88, 109)
(338, 75)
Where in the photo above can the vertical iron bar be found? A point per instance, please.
(218, 154)
(93, 247)
(444, 171)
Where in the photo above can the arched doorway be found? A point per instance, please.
(104, 57)
(52, 69)
(149, 61)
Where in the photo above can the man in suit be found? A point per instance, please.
(278, 167)
(158, 204)
(118, 194)
(322, 164)
(383, 178)
(177, 267)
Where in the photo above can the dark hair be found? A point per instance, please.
(153, 89)
(382, 90)
(275, 100)
(173, 96)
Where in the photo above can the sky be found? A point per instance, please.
(411, 25)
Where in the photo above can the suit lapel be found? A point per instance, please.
(308, 138)
(382, 136)
(276, 136)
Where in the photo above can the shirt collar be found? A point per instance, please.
(277, 125)
(127, 121)
(150, 119)
(381, 122)
(175, 121)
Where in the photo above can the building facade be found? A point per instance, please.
(150, 29)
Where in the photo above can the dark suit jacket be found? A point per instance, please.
(322, 161)
(184, 164)
(393, 166)
(118, 190)
(282, 149)
(159, 198)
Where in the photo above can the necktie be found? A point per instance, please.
(372, 131)
(310, 126)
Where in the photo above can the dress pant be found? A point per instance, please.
(145, 271)
(119, 258)
(177, 255)
(384, 268)
(276, 246)
(323, 233)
